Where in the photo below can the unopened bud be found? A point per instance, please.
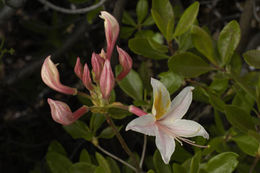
(86, 79)
(125, 61)
(107, 80)
(137, 111)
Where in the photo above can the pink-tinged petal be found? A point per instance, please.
(50, 76)
(111, 31)
(78, 69)
(103, 54)
(86, 79)
(161, 99)
(62, 114)
(143, 124)
(137, 111)
(97, 65)
(186, 128)
(107, 80)
(125, 61)
(180, 104)
(165, 144)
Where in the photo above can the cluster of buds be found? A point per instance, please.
(100, 82)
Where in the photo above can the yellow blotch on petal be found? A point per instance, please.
(159, 106)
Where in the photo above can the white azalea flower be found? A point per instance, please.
(166, 123)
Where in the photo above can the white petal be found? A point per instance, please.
(186, 128)
(143, 124)
(165, 144)
(180, 104)
(161, 99)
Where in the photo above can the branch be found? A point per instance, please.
(34, 66)
(71, 11)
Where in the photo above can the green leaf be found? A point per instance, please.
(141, 10)
(176, 168)
(100, 169)
(203, 43)
(187, 19)
(108, 133)
(247, 144)
(132, 84)
(127, 19)
(195, 163)
(58, 163)
(103, 163)
(117, 113)
(55, 146)
(163, 16)
(96, 121)
(126, 32)
(157, 46)
(82, 167)
(239, 118)
(84, 156)
(222, 163)
(252, 57)
(159, 165)
(79, 130)
(228, 41)
(141, 46)
(219, 123)
(219, 84)
(171, 80)
(113, 165)
(188, 65)
(150, 171)
(148, 21)
(216, 102)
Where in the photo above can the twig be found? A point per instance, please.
(143, 152)
(122, 141)
(34, 66)
(71, 11)
(255, 11)
(254, 164)
(115, 157)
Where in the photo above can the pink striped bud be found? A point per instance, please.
(97, 65)
(107, 80)
(125, 61)
(62, 114)
(135, 110)
(86, 79)
(78, 69)
(111, 31)
(50, 76)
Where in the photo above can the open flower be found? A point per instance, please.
(166, 123)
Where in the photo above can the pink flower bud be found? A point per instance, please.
(50, 76)
(107, 80)
(135, 110)
(125, 61)
(62, 114)
(86, 79)
(97, 65)
(78, 69)
(111, 31)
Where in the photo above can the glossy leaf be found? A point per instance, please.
(117, 113)
(58, 163)
(113, 165)
(141, 10)
(239, 118)
(252, 57)
(171, 80)
(55, 146)
(148, 21)
(127, 19)
(141, 46)
(96, 121)
(82, 167)
(195, 163)
(108, 133)
(131, 84)
(188, 65)
(163, 16)
(79, 130)
(187, 19)
(84, 156)
(247, 144)
(176, 168)
(222, 163)
(157, 46)
(103, 163)
(203, 43)
(228, 41)
(159, 165)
